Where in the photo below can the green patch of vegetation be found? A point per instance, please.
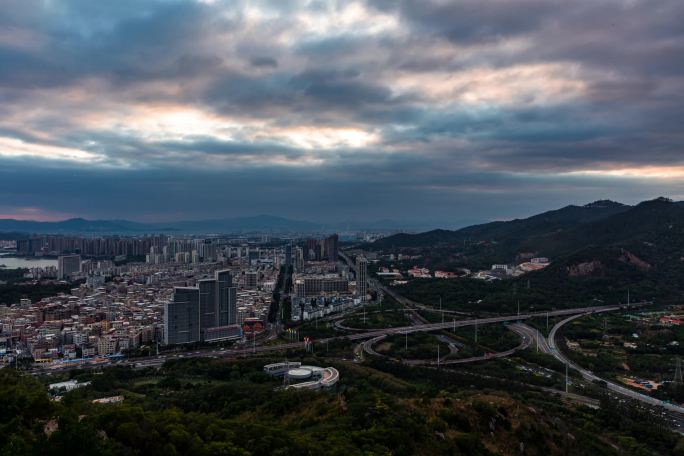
(212, 407)
(389, 314)
(632, 346)
(12, 293)
(413, 346)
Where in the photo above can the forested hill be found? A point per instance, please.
(537, 225)
(658, 223)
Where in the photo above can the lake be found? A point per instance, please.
(16, 263)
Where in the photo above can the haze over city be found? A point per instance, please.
(446, 112)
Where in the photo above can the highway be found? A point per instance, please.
(261, 349)
(429, 327)
(525, 340)
(535, 335)
(588, 375)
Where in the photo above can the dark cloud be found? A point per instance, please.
(468, 21)
(405, 105)
(261, 62)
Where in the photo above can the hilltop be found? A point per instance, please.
(517, 230)
(597, 251)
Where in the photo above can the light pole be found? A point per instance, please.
(547, 320)
(475, 332)
(440, 308)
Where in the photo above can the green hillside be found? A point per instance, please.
(208, 408)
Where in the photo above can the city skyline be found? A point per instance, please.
(452, 112)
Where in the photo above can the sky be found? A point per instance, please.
(445, 112)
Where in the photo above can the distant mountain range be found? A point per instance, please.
(598, 251)
(259, 223)
(598, 238)
(514, 231)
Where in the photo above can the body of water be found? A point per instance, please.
(16, 263)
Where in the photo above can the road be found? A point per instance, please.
(525, 340)
(261, 349)
(535, 335)
(588, 375)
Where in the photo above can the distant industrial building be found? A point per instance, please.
(315, 285)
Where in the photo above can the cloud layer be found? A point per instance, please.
(450, 111)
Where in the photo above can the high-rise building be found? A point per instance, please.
(182, 316)
(361, 277)
(208, 303)
(299, 259)
(201, 312)
(68, 265)
(330, 248)
(310, 249)
(226, 298)
(251, 280)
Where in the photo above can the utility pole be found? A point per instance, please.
(628, 298)
(254, 340)
(605, 326)
(475, 332)
(547, 320)
(438, 354)
(440, 308)
(537, 339)
(678, 372)
(567, 380)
